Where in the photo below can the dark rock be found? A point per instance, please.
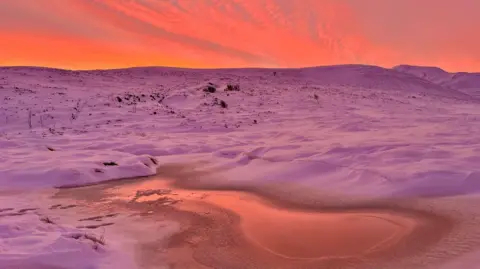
(223, 104)
(210, 89)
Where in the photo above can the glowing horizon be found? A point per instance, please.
(99, 34)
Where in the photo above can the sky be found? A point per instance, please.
(97, 34)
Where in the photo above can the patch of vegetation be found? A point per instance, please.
(77, 109)
(97, 241)
(47, 220)
(231, 87)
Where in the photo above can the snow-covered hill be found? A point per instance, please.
(468, 83)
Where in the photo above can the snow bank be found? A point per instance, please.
(27, 169)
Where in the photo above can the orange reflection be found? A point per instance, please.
(283, 232)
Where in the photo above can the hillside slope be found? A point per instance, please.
(468, 83)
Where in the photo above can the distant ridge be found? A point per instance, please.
(465, 82)
(419, 79)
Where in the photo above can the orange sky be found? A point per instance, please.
(88, 34)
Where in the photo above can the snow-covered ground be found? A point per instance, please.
(344, 133)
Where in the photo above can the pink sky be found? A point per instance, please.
(84, 34)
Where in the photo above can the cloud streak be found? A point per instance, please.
(82, 34)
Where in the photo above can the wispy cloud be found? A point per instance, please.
(237, 33)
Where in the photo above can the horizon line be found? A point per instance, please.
(221, 68)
